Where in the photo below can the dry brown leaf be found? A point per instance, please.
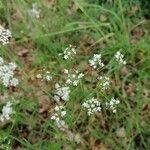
(92, 141)
(137, 32)
(83, 66)
(29, 59)
(4, 97)
(130, 88)
(23, 52)
(100, 146)
(35, 138)
(72, 8)
(16, 16)
(124, 71)
(3, 124)
(121, 132)
(102, 122)
(145, 109)
(44, 103)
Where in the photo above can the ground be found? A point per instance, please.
(41, 32)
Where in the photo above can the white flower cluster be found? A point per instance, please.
(5, 35)
(35, 11)
(6, 112)
(69, 52)
(96, 61)
(61, 92)
(112, 104)
(58, 116)
(46, 76)
(73, 79)
(7, 73)
(104, 82)
(92, 105)
(120, 58)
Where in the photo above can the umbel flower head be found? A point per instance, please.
(5, 35)
(69, 52)
(46, 76)
(120, 58)
(96, 61)
(73, 78)
(7, 73)
(92, 105)
(6, 112)
(58, 116)
(61, 92)
(112, 104)
(104, 82)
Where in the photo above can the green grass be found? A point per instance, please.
(45, 38)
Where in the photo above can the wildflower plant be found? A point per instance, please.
(120, 58)
(104, 82)
(96, 61)
(68, 53)
(5, 35)
(73, 78)
(7, 73)
(58, 116)
(112, 104)
(49, 25)
(6, 112)
(61, 92)
(92, 105)
(46, 76)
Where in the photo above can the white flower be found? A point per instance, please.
(45, 76)
(61, 93)
(80, 75)
(73, 78)
(66, 71)
(5, 35)
(48, 77)
(58, 116)
(92, 105)
(57, 108)
(112, 104)
(75, 83)
(96, 61)
(13, 82)
(63, 113)
(7, 74)
(35, 11)
(12, 66)
(6, 112)
(104, 82)
(69, 52)
(120, 58)
(39, 76)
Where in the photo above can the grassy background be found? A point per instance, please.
(93, 26)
